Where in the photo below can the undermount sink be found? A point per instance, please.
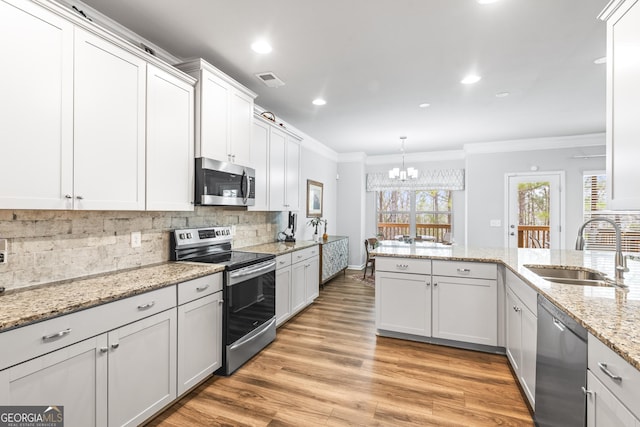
(575, 276)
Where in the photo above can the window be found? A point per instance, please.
(599, 235)
(423, 213)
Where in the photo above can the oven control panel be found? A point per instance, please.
(199, 236)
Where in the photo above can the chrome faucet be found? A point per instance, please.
(620, 259)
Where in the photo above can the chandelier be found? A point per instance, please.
(403, 174)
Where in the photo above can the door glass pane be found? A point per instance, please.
(533, 211)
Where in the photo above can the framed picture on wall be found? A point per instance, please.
(314, 199)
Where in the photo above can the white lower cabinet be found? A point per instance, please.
(403, 303)
(283, 288)
(297, 284)
(465, 310)
(142, 368)
(522, 330)
(604, 409)
(74, 377)
(199, 331)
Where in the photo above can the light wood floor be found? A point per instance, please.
(327, 367)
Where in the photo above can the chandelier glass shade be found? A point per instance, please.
(403, 173)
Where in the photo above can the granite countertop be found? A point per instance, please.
(278, 248)
(30, 305)
(611, 314)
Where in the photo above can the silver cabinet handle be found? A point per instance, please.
(56, 335)
(464, 270)
(603, 368)
(587, 392)
(115, 345)
(402, 266)
(103, 349)
(516, 309)
(68, 196)
(202, 288)
(435, 284)
(79, 197)
(147, 305)
(221, 302)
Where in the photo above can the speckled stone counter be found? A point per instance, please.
(21, 307)
(278, 248)
(611, 314)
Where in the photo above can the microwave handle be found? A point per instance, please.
(245, 195)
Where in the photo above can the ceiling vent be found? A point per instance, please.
(270, 79)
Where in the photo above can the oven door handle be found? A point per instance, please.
(265, 327)
(248, 273)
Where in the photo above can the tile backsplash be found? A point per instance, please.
(47, 246)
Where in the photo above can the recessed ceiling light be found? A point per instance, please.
(319, 101)
(502, 94)
(261, 46)
(470, 79)
(424, 105)
(602, 60)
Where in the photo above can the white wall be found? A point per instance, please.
(485, 176)
(352, 209)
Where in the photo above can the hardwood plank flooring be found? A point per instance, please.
(327, 367)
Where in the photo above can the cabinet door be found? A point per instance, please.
(312, 278)
(465, 310)
(298, 286)
(36, 107)
(528, 368)
(623, 92)
(514, 332)
(604, 409)
(283, 295)
(403, 303)
(277, 171)
(260, 162)
(142, 368)
(109, 126)
(74, 377)
(241, 106)
(199, 340)
(293, 175)
(213, 118)
(170, 142)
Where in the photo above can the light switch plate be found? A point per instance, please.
(495, 223)
(136, 239)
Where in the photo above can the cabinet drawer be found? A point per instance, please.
(283, 261)
(477, 270)
(627, 388)
(303, 254)
(403, 265)
(198, 288)
(525, 292)
(40, 338)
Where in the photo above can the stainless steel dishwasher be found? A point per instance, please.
(561, 369)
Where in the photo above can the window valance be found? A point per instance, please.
(441, 179)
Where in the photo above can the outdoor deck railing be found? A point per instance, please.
(389, 230)
(533, 236)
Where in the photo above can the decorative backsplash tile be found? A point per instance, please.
(46, 246)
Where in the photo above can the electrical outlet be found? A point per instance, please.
(136, 239)
(3, 257)
(3, 251)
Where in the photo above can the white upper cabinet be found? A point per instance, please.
(275, 154)
(109, 126)
(623, 103)
(170, 105)
(224, 114)
(36, 107)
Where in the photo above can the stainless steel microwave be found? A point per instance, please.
(224, 184)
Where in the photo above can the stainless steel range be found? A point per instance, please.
(249, 322)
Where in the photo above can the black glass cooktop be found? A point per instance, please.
(235, 259)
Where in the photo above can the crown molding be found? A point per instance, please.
(534, 144)
(610, 9)
(355, 157)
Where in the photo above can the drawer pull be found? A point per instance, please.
(464, 270)
(202, 288)
(603, 368)
(516, 308)
(147, 305)
(103, 349)
(587, 392)
(115, 345)
(402, 266)
(56, 335)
